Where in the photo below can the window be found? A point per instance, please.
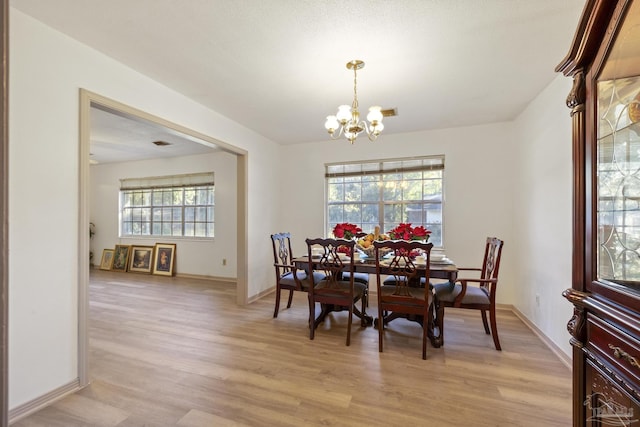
(387, 193)
(177, 206)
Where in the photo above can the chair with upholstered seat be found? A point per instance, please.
(335, 292)
(285, 269)
(406, 294)
(481, 296)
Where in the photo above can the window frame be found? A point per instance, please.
(153, 204)
(387, 170)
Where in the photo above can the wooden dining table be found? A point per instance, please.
(437, 270)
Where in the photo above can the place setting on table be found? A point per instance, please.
(441, 267)
(363, 253)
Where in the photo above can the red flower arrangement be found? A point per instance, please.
(407, 232)
(346, 230)
(344, 250)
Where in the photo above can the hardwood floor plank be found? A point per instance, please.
(179, 352)
(202, 419)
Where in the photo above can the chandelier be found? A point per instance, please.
(347, 120)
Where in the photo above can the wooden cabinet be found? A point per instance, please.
(604, 62)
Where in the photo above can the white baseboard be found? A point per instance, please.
(204, 277)
(262, 294)
(47, 399)
(564, 358)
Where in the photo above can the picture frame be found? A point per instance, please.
(141, 259)
(164, 259)
(107, 259)
(121, 258)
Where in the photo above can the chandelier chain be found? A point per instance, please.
(355, 86)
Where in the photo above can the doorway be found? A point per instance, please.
(89, 101)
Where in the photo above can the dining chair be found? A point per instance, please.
(406, 294)
(287, 276)
(475, 293)
(357, 275)
(335, 292)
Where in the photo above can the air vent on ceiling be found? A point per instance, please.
(161, 143)
(389, 112)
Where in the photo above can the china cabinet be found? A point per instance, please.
(604, 62)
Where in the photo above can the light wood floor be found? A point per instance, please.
(179, 352)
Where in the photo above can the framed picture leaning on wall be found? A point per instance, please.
(121, 257)
(164, 259)
(140, 259)
(107, 259)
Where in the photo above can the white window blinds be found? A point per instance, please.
(186, 180)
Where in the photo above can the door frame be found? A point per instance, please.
(87, 100)
(4, 213)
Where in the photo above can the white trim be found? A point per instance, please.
(83, 239)
(564, 358)
(232, 280)
(28, 408)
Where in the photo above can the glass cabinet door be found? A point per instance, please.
(618, 157)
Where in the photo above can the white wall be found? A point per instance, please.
(47, 70)
(193, 256)
(478, 187)
(542, 209)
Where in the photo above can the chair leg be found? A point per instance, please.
(349, 324)
(380, 326)
(365, 304)
(425, 328)
(290, 298)
(494, 328)
(484, 321)
(367, 291)
(275, 312)
(312, 318)
(440, 317)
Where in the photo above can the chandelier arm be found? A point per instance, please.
(370, 134)
(338, 134)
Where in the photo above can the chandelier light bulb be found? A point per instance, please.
(375, 114)
(344, 114)
(331, 124)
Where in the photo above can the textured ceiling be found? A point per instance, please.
(118, 137)
(278, 66)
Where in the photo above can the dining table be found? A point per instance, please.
(441, 269)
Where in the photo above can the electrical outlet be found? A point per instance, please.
(224, 261)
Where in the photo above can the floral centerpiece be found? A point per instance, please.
(404, 231)
(346, 230)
